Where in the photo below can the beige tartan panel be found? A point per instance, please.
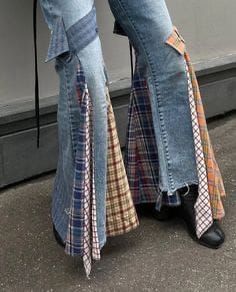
(121, 215)
(215, 181)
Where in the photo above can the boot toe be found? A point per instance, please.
(212, 238)
(166, 213)
(218, 229)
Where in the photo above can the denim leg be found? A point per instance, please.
(71, 11)
(72, 24)
(148, 25)
(67, 122)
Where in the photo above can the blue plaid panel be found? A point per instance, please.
(141, 153)
(74, 241)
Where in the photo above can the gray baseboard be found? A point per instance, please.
(20, 158)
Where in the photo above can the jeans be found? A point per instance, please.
(148, 25)
(75, 36)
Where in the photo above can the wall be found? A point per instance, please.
(207, 26)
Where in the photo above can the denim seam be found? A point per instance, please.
(69, 105)
(71, 39)
(66, 73)
(150, 61)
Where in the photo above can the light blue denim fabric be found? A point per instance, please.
(148, 25)
(74, 35)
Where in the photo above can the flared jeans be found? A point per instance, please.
(75, 46)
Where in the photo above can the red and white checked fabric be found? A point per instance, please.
(90, 239)
(121, 217)
(95, 242)
(204, 218)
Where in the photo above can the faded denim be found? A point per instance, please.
(148, 25)
(74, 35)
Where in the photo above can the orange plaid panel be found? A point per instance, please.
(215, 181)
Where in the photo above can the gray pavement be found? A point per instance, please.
(155, 257)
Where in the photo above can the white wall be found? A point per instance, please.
(208, 27)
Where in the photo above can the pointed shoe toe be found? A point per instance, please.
(218, 229)
(212, 238)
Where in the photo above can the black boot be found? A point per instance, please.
(57, 237)
(166, 213)
(214, 236)
(148, 210)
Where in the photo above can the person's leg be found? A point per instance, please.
(91, 197)
(141, 154)
(75, 39)
(148, 26)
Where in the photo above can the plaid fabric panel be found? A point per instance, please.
(141, 154)
(90, 241)
(215, 181)
(121, 215)
(141, 159)
(82, 238)
(202, 207)
(214, 178)
(75, 233)
(87, 191)
(95, 242)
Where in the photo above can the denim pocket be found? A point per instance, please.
(176, 41)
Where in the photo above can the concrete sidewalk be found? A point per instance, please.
(155, 257)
